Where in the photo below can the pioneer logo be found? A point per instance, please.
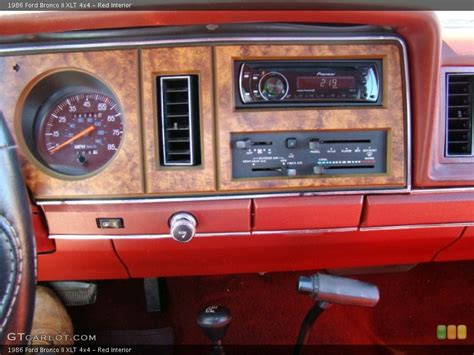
(325, 74)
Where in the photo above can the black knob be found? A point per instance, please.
(273, 86)
(182, 227)
(214, 322)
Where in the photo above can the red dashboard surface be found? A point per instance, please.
(270, 234)
(283, 252)
(307, 212)
(462, 249)
(149, 218)
(419, 208)
(81, 260)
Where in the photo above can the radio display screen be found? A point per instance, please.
(331, 83)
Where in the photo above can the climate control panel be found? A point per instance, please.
(308, 154)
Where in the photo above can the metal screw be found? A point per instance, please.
(212, 27)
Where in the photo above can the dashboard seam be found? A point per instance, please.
(310, 231)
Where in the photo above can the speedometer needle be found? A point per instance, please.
(72, 139)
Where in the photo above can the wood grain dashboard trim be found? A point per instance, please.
(390, 117)
(123, 81)
(177, 61)
(228, 40)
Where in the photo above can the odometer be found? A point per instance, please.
(79, 133)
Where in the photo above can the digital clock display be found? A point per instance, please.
(324, 83)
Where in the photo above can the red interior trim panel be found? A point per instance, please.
(462, 249)
(148, 218)
(282, 252)
(43, 243)
(420, 208)
(81, 260)
(307, 212)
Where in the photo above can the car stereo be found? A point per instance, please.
(291, 83)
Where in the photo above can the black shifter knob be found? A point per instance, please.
(214, 321)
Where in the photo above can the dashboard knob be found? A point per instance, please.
(243, 144)
(273, 86)
(318, 170)
(183, 227)
(291, 172)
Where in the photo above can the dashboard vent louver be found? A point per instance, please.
(178, 121)
(459, 115)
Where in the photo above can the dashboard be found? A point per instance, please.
(173, 119)
(205, 149)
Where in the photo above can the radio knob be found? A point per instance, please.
(273, 86)
(318, 169)
(183, 227)
(243, 144)
(291, 172)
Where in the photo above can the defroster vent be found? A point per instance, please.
(178, 122)
(459, 115)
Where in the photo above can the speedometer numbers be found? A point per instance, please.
(80, 133)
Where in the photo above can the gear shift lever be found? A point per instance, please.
(214, 322)
(328, 289)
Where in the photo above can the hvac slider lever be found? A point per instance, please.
(328, 289)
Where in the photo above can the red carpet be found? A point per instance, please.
(267, 310)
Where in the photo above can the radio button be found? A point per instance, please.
(291, 143)
(314, 144)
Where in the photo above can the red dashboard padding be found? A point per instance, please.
(419, 208)
(462, 249)
(43, 243)
(307, 212)
(282, 252)
(149, 218)
(81, 260)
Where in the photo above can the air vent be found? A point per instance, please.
(178, 121)
(459, 115)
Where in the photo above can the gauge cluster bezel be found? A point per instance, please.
(42, 97)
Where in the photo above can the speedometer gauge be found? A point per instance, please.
(79, 133)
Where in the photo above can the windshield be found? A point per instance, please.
(456, 19)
